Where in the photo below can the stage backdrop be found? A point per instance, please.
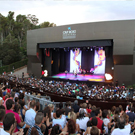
(75, 60)
(99, 61)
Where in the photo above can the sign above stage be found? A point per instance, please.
(69, 34)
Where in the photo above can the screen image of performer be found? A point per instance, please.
(75, 60)
(99, 62)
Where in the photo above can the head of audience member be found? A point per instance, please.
(16, 99)
(10, 104)
(72, 116)
(94, 131)
(33, 105)
(113, 109)
(60, 105)
(63, 111)
(84, 105)
(126, 117)
(51, 107)
(12, 95)
(34, 131)
(71, 126)
(17, 108)
(47, 112)
(39, 119)
(120, 108)
(94, 121)
(76, 102)
(117, 111)
(37, 106)
(2, 114)
(93, 108)
(105, 114)
(58, 113)
(22, 103)
(2, 107)
(121, 122)
(81, 114)
(9, 123)
(132, 109)
(43, 127)
(21, 96)
(55, 130)
(98, 112)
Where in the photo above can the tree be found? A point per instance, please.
(47, 24)
(13, 35)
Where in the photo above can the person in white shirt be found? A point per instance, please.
(127, 125)
(30, 114)
(59, 120)
(82, 120)
(105, 120)
(121, 130)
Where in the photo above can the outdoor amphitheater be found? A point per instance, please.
(78, 80)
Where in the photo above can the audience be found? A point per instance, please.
(17, 118)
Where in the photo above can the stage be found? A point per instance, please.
(80, 77)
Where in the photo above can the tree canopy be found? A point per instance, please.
(13, 35)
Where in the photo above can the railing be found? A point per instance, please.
(13, 66)
(43, 100)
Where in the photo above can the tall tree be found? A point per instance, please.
(47, 24)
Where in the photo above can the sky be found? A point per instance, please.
(65, 12)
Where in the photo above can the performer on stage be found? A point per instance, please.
(66, 73)
(84, 72)
(76, 73)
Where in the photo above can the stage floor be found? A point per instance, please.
(81, 77)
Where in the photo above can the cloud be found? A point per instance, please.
(62, 12)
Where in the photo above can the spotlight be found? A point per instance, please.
(91, 49)
(53, 48)
(88, 47)
(112, 68)
(108, 76)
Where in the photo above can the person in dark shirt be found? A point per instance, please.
(76, 107)
(131, 114)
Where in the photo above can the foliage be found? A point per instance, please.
(13, 35)
(13, 66)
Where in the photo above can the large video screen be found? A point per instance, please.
(75, 60)
(99, 61)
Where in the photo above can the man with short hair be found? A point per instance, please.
(9, 124)
(39, 120)
(121, 130)
(2, 114)
(100, 123)
(10, 107)
(30, 114)
(59, 120)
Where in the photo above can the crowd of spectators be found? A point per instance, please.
(18, 117)
(112, 92)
